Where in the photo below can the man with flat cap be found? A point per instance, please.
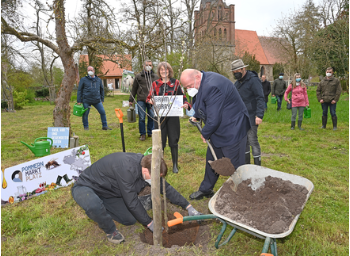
(278, 89)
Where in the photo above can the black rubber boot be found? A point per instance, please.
(324, 122)
(146, 201)
(292, 126)
(247, 158)
(58, 181)
(257, 160)
(299, 125)
(65, 177)
(334, 120)
(174, 156)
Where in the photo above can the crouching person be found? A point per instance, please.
(108, 190)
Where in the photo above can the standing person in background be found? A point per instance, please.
(278, 89)
(266, 89)
(170, 126)
(328, 94)
(250, 89)
(226, 119)
(90, 92)
(299, 99)
(142, 83)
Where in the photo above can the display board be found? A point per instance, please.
(59, 135)
(169, 105)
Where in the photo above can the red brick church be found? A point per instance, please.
(218, 19)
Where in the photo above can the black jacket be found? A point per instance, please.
(266, 89)
(250, 89)
(142, 84)
(119, 175)
(90, 90)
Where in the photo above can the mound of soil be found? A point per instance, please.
(270, 209)
(182, 234)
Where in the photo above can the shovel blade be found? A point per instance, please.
(223, 166)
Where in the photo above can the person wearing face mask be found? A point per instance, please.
(266, 89)
(328, 93)
(299, 98)
(170, 126)
(278, 88)
(250, 89)
(90, 92)
(140, 88)
(108, 190)
(219, 105)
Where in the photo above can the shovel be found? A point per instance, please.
(222, 166)
(120, 115)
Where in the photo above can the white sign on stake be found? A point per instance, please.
(169, 105)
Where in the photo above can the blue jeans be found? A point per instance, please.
(142, 118)
(332, 108)
(279, 101)
(265, 105)
(102, 210)
(100, 109)
(252, 141)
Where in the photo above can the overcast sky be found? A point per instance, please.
(261, 16)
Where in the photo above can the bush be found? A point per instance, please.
(20, 99)
(42, 92)
(30, 96)
(4, 104)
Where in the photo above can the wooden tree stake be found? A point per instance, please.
(155, 188)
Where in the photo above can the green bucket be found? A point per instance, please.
(273, 100)
(307, 112)
(148, 152)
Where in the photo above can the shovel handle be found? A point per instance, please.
(119, 114)
(197, 123)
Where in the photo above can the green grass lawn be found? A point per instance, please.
(53, 224)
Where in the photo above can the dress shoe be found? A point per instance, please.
(143, 137)
(106, 128)
(198, 195)
(86, 128)
(150, 135)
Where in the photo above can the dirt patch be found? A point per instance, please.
(183, 234)
(270, 209)
(223, 166)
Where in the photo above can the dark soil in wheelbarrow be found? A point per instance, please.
(270, 209)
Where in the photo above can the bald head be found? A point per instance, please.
(190, 77)
(263, 78)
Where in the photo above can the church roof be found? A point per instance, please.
(248, 41)
(273, 50)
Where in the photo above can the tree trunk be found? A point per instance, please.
(155, 188)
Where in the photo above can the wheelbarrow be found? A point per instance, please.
(257, 174)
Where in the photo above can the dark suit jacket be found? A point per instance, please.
(221, 108)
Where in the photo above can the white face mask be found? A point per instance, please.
(90, 73)
(192, 92)
(148, 68)
(328, 74)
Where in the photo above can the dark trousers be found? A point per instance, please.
(279, 101)
(142, 118)
(102, 210)
(170, 129)
(234, 152)
(332, 108)
(100, 109)
(252, 141)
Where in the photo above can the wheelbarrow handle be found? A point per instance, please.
(180, 219)
(197, 123)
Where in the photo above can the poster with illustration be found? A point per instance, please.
(127, 81)
(24, 181)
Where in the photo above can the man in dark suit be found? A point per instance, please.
(226, 120)
(266, 88)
